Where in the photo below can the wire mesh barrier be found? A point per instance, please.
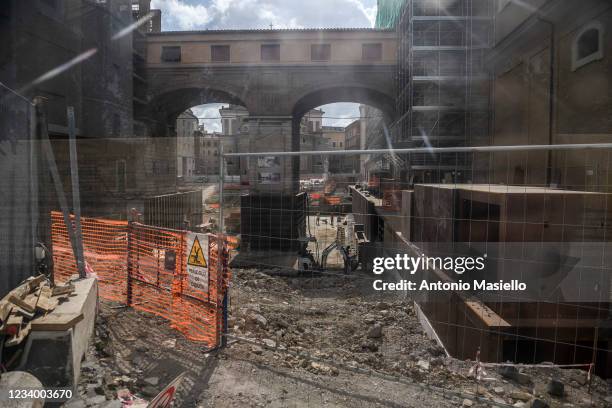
(147, 268)
(20, 224)
(104, 247)
(508, 271)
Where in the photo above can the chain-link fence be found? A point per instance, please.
(19, 192)
(503, 265)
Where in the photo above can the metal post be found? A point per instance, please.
(130, 262)
(59, 187)
(76, 196)
(221, 245)
(221, 176)
(432, 150)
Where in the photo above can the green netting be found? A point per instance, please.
(388, 13)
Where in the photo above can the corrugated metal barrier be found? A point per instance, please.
(145, 267)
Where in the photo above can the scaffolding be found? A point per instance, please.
(443, 93)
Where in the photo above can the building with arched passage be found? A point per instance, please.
(278, 76)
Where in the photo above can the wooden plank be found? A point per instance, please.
(34, 282)
(62, 290)
(27, 306)
(12, 325)
(5, 310)
(485, 314)
(45, 302)
(56, 322)
(17, 339)
(23, 312)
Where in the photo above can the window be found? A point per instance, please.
(371, 52)
(270, 52)
(171, 54)
(333, 144)
(587, 46)
(320, 52)
(219, 53)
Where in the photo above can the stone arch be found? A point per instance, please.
(357, 94)
(171, 103)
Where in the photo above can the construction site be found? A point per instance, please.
(445, 243)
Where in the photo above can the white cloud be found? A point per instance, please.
(209, 116)
(179, 15)
(339, 114)
(241, 14)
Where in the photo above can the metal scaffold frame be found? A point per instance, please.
(441, 99)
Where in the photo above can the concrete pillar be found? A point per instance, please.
(272, 213)
(271, 174)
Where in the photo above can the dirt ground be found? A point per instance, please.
(307, 341)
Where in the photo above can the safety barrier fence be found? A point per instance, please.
(147, 268)
(538, 215)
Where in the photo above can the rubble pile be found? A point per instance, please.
(119, 358)
(327, 323)
(24, 307)
(319, 329)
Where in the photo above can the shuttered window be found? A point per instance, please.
(220, 53)
(320, 52)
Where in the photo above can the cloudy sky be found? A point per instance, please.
(233, 14)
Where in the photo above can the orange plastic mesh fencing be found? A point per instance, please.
(104, 249)
(199, 314)
(145, 267)
(154, 262)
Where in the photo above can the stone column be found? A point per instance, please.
(270, 174)
(272, 213)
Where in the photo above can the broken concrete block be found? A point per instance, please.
(255, 319)
(538, 403)
(556, 388)
(520, 395)
(423, 364)
(509, 372)
(514, 374)
(152, 380)
(375, 331)
(269, 343)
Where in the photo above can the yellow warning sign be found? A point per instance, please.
(196, 255)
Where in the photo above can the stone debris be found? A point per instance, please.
(375, 331)
(269, 343)
(556, 388)
(350, 329)
(326, 328)
(538, 403)
(423, 364)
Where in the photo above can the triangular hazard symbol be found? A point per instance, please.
(196, 255)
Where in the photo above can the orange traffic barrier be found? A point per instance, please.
(145, 267)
